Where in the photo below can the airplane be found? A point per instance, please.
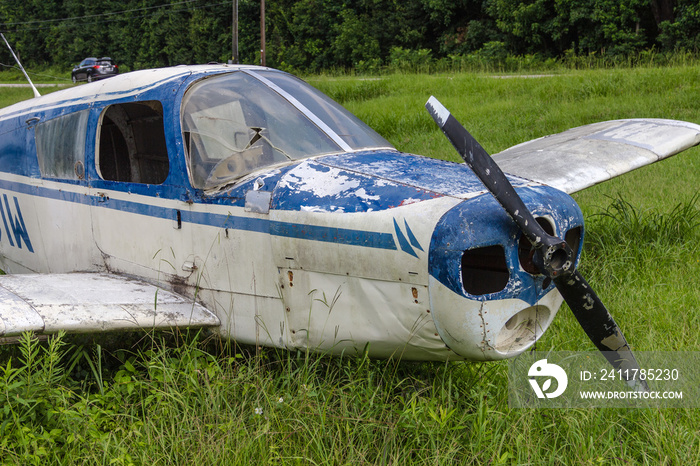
(241, 199)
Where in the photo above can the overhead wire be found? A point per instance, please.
(17, 23)
(106, 16)
(15, 67)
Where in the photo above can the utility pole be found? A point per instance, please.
(262, 32)
(234, 33)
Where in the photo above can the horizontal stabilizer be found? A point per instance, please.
(588, 155)
(91, 302)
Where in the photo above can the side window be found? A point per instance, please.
(132, 143)
(60, 146)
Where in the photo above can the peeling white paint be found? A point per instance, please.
(362, 194)
(330, 183)
(410, 201)
(438, 111)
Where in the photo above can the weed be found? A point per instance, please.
(621, 222)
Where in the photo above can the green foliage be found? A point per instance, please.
(368, 36)
(144, 34)
(529, 25)
(32, 394)
(352, 45)
(620, 26)
(192, 402)
(410, 60)
(684, 31)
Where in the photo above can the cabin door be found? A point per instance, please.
(137, 222)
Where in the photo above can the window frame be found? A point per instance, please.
(134, 146)
(50, 139)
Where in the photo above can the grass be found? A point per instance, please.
(11, 95)
(181, 400)
(42, 75)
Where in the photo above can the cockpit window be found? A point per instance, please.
(235, 124)
(351, 129)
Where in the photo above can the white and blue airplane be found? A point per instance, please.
(241, 199)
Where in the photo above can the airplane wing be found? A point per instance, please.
(588, 155)
(92, 302)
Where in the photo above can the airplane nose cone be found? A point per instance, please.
(488, 300)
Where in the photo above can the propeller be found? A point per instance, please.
(552, 256)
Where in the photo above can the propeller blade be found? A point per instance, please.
(553, 257)
(599, 325)
(486, 169)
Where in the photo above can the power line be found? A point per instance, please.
(38, 21)
(15, 67)
(109, 20)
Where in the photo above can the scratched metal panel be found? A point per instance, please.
(387, 245)
(89, 302)
(16, 315)
(348, 315)
(587, 155)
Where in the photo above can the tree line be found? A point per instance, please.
(317, 35)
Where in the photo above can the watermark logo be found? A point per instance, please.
(541, 369)
(586, 379)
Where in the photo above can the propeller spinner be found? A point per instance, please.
(552, 256)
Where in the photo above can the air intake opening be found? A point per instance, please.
(522, 330)
(484, 270)
(573, 239)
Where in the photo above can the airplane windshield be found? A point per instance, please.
(347, 126)
(237, 123)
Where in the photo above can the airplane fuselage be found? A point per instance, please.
(354, 248)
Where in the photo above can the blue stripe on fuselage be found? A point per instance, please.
(345, 236)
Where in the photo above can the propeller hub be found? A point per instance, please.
(554, 258)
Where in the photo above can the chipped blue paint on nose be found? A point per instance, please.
(481, 223)
(372, 181)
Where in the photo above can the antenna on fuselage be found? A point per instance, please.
(36, 93)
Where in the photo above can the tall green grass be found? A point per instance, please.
(181, 400)
(186, 403)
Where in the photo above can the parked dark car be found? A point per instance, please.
(92, 69)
